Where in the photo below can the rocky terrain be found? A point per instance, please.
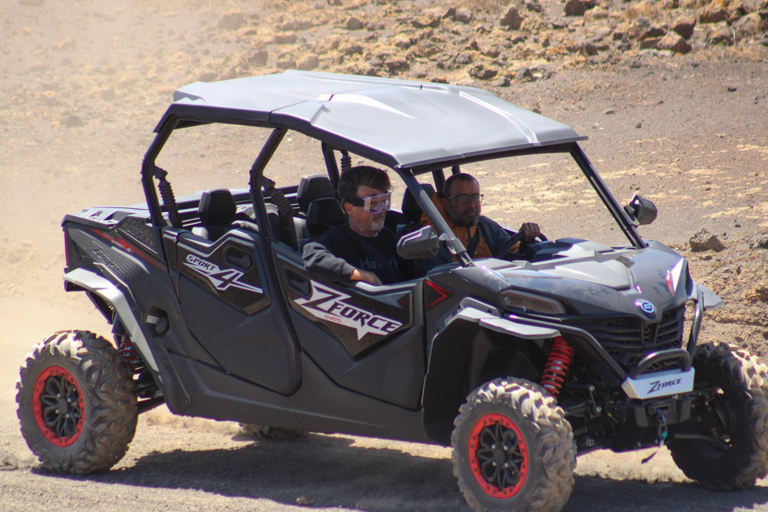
(673, 95)
(488, 41)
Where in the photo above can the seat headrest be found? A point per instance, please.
(217, 207)
(314, 186)
(323, 213)
(273, 220)
(411, 208)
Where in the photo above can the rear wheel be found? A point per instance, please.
(729, 447)
(75, 404)
(513, 449)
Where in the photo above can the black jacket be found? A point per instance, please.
(335, 254)
(495, 237)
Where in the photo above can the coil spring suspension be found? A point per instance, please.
(128, 353)
(346, 161)
(558, 362)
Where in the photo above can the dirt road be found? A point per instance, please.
(83, 85)
(185, 464)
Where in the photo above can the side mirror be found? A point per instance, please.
(421, 244)
(641, 210)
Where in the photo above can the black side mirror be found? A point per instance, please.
(420, 244)
(641, 210)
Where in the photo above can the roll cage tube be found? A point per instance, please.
(148, 170)
(257, 171)
(444, 230)
(607, 197)
(330, 164)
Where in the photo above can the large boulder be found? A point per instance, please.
(749, 26)
(574, 8)
(354, 24)
(653, 31)
(684, 26)
(715, 12)
(512, 19)
(463, 15)
(703, 240)
(675, 43)
(482, 73)
(720, 34)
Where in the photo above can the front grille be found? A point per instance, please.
(628, 339)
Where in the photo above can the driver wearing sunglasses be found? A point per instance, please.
(362, 249)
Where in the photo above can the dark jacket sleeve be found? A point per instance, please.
(497, 238)
(494, 235)
(322, 263)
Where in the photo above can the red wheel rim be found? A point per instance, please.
(58, 406)
(498, 456)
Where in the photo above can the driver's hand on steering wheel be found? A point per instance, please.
(531, 231)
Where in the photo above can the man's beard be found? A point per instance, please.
(464, 220)
(376, 224)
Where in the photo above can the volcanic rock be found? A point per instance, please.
(574, 8)
(684, 26)
(512, 19)
(703, 240)
(675, 43)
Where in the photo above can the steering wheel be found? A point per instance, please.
(517, 237)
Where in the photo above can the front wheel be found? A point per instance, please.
(513, 449)
(75, 403)
(728, 446)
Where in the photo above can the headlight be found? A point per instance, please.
(531, 302)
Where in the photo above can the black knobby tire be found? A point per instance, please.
(739, 385)
(77, 412)
(264, 432)
(518, 426)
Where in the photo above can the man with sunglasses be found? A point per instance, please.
(362, 249)
(460, 205)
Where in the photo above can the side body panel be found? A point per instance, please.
(227, 302)
(366, 339)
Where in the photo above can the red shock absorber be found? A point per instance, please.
(128, 352)
(558, 361)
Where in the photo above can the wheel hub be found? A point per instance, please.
(498, 456)
(58, 406)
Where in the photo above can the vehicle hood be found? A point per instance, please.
(596, 280)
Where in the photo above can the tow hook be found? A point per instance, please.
(661, 434)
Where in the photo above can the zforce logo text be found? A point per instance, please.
(328, 304)
(657, 385)
(220, 279)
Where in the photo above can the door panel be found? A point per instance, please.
(370, 342)
(229, 306)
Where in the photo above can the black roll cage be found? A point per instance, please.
(173, 121)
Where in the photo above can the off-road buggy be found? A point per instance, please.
(519, 365)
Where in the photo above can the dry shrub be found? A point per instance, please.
(487, 6)
(643, 8)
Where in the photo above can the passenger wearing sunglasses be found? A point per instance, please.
(362, 249)
(460, 205)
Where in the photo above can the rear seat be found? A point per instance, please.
(322, 214)
(217, 212)
(314, 186)
(412, 211)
